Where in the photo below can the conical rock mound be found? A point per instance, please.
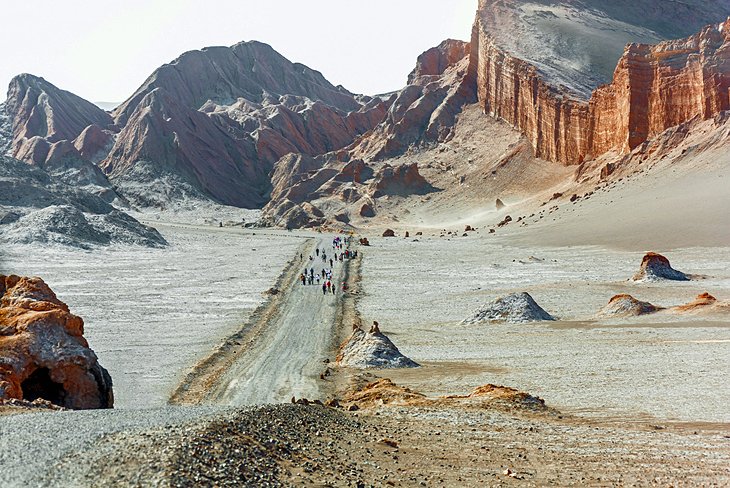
(372, 349)
(655, 267)
(627, 306)
(516, 308)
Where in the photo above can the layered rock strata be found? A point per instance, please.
(43, 353)
(654, 87)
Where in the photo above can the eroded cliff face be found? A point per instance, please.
(654, 87)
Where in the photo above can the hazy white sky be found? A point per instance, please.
(102, 50)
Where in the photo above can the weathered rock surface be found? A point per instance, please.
(654, 87)
(426, 110)
(372, 349)
(656, 267)
(627, 306)
(704, 304)
(36, 207)
(39, 109)
(514, 309)
(223, 116)
(402, 180)
(44, 354)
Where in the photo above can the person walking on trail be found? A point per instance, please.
(317, 278)
(331, 263)
(328, 285)
(304, 280)
(333, 288)
(324, 288)
(317, 251)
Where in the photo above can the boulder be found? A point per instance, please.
(367, 210)
(627, 306)
(499, 204)
(364, 241)
(372, 349)
(43, 350)
(515, 308)
(389, 233)
(655, 267)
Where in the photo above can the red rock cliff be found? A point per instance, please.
(654, 87)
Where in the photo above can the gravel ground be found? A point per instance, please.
(295, 445)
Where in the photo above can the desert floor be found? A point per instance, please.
(636, 401)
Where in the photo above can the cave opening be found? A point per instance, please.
(40, 385)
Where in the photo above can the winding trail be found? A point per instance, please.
(287, 356)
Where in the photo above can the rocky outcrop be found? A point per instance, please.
(627, 306)
(516, 308)
(372, 349)
(655, 267)
(426, 110)
(704, 304)
(37, 108)
(44, 351)
(40, 208)
(402, 180)
(654, 87)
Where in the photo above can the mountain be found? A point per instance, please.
(568, 92)
(220, 117)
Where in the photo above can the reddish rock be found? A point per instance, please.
(425, 110)
(627, 306)
(656, 267)
(364, 241)
(702, 302)
(499, 204)
(39, 109)
(402, 180)
(654, 88)
(505, 221)
(45, 353)
(93, 142)
(389, 233)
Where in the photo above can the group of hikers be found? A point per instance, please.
(339, 254)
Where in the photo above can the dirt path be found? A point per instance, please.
(287, 356)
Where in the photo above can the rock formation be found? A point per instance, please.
(656, 267)
(36, 207)
(704, 304)
(44, 352)
(426, 110)
(627, 306)
(516, 308)
(654, 87)
(372, 349)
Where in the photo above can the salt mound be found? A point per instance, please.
(516, 308)
(656, 267)
(372, 349)
(704, 304)
(69, 226)
(627, 306)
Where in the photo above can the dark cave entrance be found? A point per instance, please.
(40, 385)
